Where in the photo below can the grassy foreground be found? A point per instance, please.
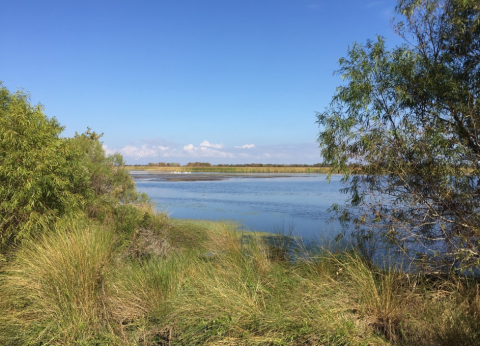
(322, 170)
(140, 278)
(86, 260)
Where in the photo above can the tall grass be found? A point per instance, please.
(221, 287)
(241, 296)
(54, 291)
(143, 288)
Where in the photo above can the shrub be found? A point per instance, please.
(41, 178)
(44, 177)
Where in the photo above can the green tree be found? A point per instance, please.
(44, 177)
(408, 118)
(107, 180)
(40, 176)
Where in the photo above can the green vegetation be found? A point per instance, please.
(409, 117)
(236, 168)
(86, 260)
(209, 286)
(41, 179)
(46, 179)
(96, 265)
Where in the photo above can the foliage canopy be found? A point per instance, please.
(40, 179)
(44, 177)
(409, 119)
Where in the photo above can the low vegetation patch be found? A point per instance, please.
(75, 285)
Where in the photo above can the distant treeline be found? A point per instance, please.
(163, 164)
(207, 164)
(270, 165)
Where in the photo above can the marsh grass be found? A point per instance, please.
(218, 286)
(141, 290)
(243, 296)
(54, 291)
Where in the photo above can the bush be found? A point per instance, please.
(44, 177)
(108, 181)
(41, 178)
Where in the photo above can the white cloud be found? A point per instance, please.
(189, 147)
(215, 153)
(137, 152)
(205, 151)
(246, 146)
(109, 151)
(207, 144)
(143, 151)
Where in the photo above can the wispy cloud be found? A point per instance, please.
(217, 153)
(206, 151)
(207, 144)
(137, 152)
(246, 146)
(108, 150)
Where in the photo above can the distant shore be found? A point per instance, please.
(168, 176)
(213, 169)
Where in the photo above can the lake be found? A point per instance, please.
(259, 202)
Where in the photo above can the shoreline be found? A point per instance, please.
(216, 176)
(318, 170)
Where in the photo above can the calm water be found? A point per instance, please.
(261, 204)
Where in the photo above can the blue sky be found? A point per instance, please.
(222, 81)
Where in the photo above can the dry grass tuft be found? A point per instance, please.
(54, 291)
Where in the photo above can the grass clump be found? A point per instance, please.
(141, 294)
(241, 296)
(54, 290)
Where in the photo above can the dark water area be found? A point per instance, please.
(258, 202)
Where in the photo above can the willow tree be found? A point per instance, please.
(406, 120)
(41, 179)
(45, 177)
